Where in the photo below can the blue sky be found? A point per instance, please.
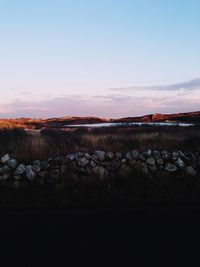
(73, 57)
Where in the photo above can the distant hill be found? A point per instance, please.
(190, 117)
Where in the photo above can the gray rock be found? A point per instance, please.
(5, 169)
(174, 156)
(191, 158)
(135, 154)
(109, 155)
(104, 163)
(147, 153)
(144, 168)
(118, 155)
(100, 171)
(197, 155)
(115, 164)
(157, 154)
(37, 162)
(36, 168)
(30, 174)
(165, 155)
(83, 162)
(4, 176)
(164, 152)
(141, 157)
(170, 167)
(100, 155)
(50, 160)
(88, 156)
(56, 167)
(124, 160)
(181, 154)
(151, 161)
(191, 171)
(70, 157)
(94, 158)
(128, 156)
(45, 165)
(93, 164)
(20, 170)
(58, 160)
(79, 155)
(5, 158)
(12, 163)
(179, 163)
(160, 161)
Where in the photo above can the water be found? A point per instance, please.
(115, 124)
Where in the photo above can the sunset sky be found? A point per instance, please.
(109, 58)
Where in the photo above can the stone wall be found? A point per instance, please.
(101, 164)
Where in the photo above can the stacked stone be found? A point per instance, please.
(153, 161)
(148, 162)
(100, 163)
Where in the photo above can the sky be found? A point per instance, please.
(107, 58)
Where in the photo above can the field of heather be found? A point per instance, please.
(27, 145)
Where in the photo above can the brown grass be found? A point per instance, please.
(7, 125)
(140, 138)
(30, 145)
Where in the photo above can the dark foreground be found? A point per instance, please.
(128, 221)
(100, 237)
(136, 190)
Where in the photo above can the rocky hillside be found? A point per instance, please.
(190, 117)
(180, 117)
(145, 118)
(52, 122)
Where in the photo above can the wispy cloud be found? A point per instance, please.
(180, 97)
(74, 105)
(25, 93)
(183, 86)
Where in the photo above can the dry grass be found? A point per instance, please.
(31, 145)
(7, 125)
(141, 138)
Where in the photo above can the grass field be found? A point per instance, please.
(31, 144)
